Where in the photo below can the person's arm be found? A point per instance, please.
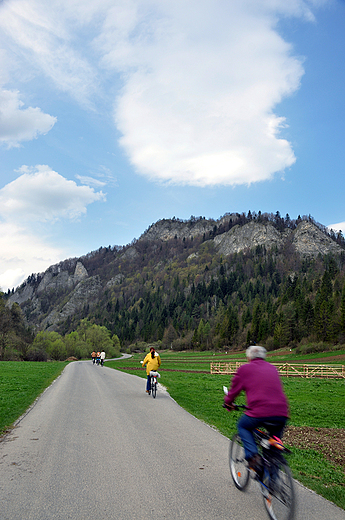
(235, 389)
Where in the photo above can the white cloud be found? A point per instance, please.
(201, 80)
(202, 84)
(23, 253)
(20, 124)
(38, 196)
(11, 278)
(46, 39)
(42, 194)
(90, 181)
(340, 226)
(99, 178)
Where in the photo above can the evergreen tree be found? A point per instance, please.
(342, 311)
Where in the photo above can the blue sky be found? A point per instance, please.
(117, 113)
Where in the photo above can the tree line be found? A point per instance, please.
(23, 345)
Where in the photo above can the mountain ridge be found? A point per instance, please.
(52, 299)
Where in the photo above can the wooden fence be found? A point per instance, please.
(288, 370)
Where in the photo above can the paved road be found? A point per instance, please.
(96, 446)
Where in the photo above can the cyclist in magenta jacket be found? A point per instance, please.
(266, 401)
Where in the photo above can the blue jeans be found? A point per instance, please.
(246, 425)
(148, 383)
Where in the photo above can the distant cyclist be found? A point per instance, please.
(266, 401)
(153, 362)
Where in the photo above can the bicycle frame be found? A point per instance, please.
(154, 376)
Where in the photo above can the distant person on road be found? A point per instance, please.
(102, 357)
(98, 358)
(153, 362)
(93, 357)
(266, 401)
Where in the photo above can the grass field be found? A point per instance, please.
(20, 384)
(315, 403)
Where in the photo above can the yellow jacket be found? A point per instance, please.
(152, 364)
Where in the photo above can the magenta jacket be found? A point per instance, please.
(264, 391)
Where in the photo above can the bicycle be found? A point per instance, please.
(276, 482)
(154, 375)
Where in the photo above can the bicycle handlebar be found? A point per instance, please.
(234, 407)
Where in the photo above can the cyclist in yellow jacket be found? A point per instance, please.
(153, 362)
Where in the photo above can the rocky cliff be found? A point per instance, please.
(307, 239)
(84, 294)
(55, 285)
(167, 229)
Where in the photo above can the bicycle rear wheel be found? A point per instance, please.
(238, 464)
(279, 495)
(153, 387)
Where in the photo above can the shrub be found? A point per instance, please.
(36, 354)
(309, 348)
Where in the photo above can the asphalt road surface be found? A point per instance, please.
(96, 446)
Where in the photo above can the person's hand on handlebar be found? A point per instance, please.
(231, 407)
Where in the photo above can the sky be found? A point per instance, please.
(115, 114)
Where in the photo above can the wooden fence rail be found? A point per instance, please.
(288, 370)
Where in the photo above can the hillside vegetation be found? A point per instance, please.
(179, 286)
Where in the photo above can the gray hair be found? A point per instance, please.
(255, 351)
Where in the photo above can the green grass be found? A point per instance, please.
(277, 356)
(20, 384)
(314, 358)
(313, 402)
(315, 472)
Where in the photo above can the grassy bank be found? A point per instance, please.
(315, 403)
(20, 384)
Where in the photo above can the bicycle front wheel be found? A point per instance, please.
(279, 495)
(238, 464)
(153, 387)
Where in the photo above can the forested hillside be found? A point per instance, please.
(184, 291)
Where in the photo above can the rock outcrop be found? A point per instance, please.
(307, 239)
(253, 234)
(167, 229)
(85, 293)
(116, 280)
(53, 282)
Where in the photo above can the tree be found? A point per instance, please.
(169, 336)
(116, 342)
(342, 311)
(57, 350)
(15, 337)
(324, 307)
(47, 344)
(5, 326)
